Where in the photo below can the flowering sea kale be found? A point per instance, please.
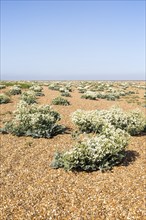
(35, 121)
(2, 86)
(4, 98)
(29, 97)
(100, 152)
(65, 92)
(15, 90)
(88, 121)
(54, 86)
(36, 88)
(60, 101)
(89, 95)
(91, 121)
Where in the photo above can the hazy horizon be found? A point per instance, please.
(73, 40)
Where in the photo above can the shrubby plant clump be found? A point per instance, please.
(4, 98)
(15, 90)
(35, 121)
(37, 89)
(2, 86)
(107, 147)
(60, 101)
(91, 121)
(100, 152)
(89, 95)
(109, 96)
(60, 86)
(54, 86)
(29, 97)
(66, 94)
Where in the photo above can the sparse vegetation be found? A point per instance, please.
(97, 140)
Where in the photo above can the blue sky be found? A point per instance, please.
(72, 40)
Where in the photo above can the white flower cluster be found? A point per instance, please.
(54, 86)
(99, 152)
(88, 121)
(60, 86)
(36, 88)
(29, 97)
(15, 90)
(35, 121)
(91, 121)
(89, 95)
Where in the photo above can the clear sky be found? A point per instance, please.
(72, 40)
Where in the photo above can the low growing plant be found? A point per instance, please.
(60, 101)
(89, 95)
(92, 121)
(4, 98)
(36, 88)
(35, 121)
(101, 152)
(54, 86)
(66, 94)
(15, 90)
(29, 97)
(2, 86)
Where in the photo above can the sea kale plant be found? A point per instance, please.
(2, 86)
(88, 121)
(54, 86)
(29, 97)
(92, 121)
(109, 96)
(35, 121)
(133, 121)
(60, 101)
(37, 89)
(102, 152)
(66, 94)
(89, 95)
(4, 98)
(15, 90)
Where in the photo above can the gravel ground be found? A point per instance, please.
(32, 190)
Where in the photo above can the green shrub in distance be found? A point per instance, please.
(4, 98)
(60, 101)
